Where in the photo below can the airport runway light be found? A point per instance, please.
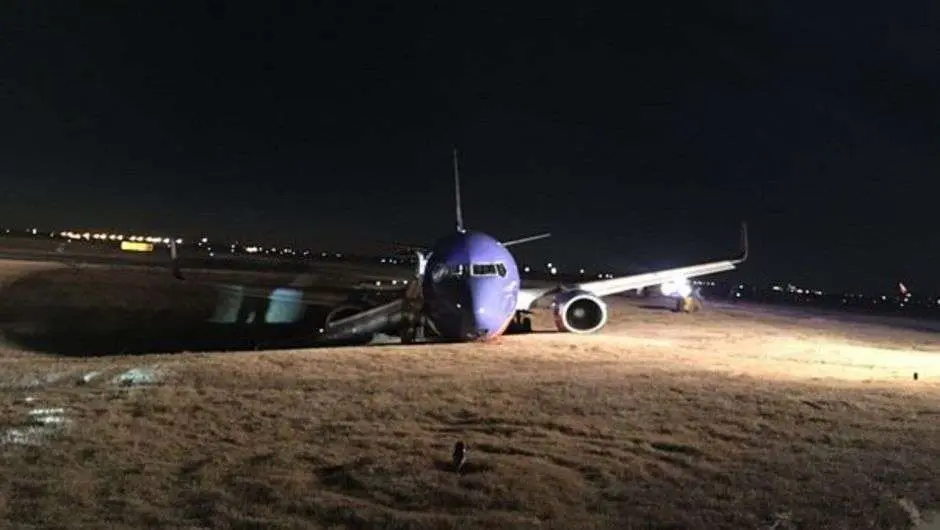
(582, 271)
(526, 269)
(554, 270)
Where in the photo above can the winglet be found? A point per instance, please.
(744, 244)
(460, 227)
(174, 261)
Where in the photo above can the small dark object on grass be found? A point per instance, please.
(460, 455)
(915, 376)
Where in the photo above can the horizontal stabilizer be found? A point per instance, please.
(526, 239)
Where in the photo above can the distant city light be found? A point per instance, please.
(900, 298)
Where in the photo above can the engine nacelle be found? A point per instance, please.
(579, 312)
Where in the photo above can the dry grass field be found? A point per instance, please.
(736, 417)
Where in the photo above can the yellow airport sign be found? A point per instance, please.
(136, 246)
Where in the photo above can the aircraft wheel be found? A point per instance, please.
(527, 325)
(408, 335)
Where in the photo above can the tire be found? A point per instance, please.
(408, 335)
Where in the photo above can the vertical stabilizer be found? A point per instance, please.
(457, 194)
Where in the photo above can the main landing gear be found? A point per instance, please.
(413, 319)
(520, 323)
(411, 330)
(687, 304)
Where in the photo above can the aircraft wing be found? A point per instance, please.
(290, 299)
(370, 321)
(611, 286)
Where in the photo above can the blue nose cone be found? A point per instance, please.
(493, 305)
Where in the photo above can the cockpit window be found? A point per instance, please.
(488, 269)
(442, 271)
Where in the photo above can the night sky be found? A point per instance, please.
(640, 136)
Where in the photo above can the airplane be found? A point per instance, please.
(467, 287)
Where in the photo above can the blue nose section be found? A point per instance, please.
(492, 306)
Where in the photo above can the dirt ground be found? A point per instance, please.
(736, 417)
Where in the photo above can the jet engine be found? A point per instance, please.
(579, 312)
